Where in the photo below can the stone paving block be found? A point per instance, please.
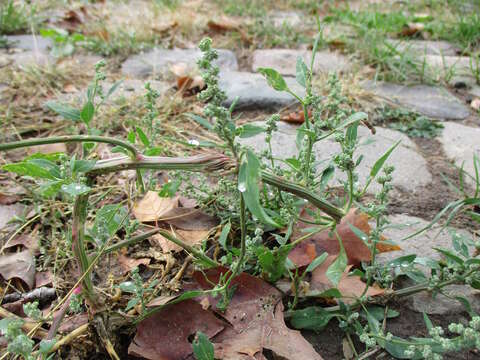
(253, 92)
(460, 143)
(26, 50)
(411, 172)
(431, 101)
(475, 91)
(285, 60)
(30, 42)
(157, 62)
(422, 246)
(288, 18)
(454, 69)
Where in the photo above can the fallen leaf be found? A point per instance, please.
(351, 287)
(357, 251)
(297, 117)
(160, 29)
(187, 78)
(152, 207)
(165, 335)
(20, 265)
(347, 350)
(73, 322)
(194, 237)
(8, 212)
(72, 19)
(189, 219)
(8, 199)
(127, 263)
(475, 104)
(256, 315)
(223, 24)
(43, 278)
(70, 89)
(412, 29)
(27, 241)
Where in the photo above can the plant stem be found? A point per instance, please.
(78, 234)
(243, 234)
(195, 252)
(70, 138)
(132, 240)
(304, 193)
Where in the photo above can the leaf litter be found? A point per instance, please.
(252, 322)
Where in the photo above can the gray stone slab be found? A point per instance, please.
(422, 246)
(285, 60)
(157, 62)
(422, 47)
(475, 91)
(434, 102)
(253, 92)
(411, 172)
(30, 42)
(460, 143)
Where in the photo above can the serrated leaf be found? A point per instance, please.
(64, 110)
(274, 79)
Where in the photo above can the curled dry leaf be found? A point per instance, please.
(165, 335)
(20, 265)
(7, 212)
(351, 287)
(297, 117)
(43, 278)
(223, 24)
(412, 29)
(187, 78)
(325, 241)
(153, 207)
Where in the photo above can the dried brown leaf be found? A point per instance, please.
(194, 237)
(165, 335)
(153, 207)
(127, 263)
(189, 219)
(20, 265)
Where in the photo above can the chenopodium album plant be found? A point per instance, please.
(261, 196)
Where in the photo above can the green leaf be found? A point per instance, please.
(302, 72)
(128, 287)
(249, 130)
(316, 262)
(83, 166)
(132, 303)
(248, 184)
(87, 112)
(312, 318)
(274, 79)
(113, 89)
(378, 312)
(143, 138)
(222, 240)
(64, 110)
(37, 168)
(75, 189)
(109, 219)
(169, 189)
(450, 256)
(202, 347)
(397, 347)
(273, 262)
(327, 175)
(200, 120)
(379, 164)
(337, 267)
(428, 322)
